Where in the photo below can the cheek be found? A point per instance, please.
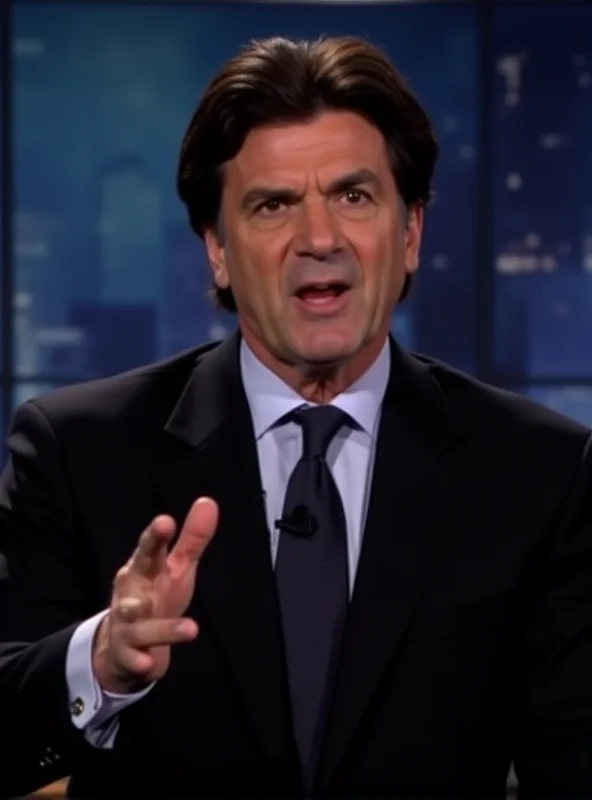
(383, 269)
(256, 269)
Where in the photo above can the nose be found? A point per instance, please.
(317, 233)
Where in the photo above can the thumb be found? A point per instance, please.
(199, 528)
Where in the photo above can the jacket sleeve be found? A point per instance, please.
(42, 600)
(553, 756)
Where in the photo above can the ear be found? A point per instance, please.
(413, 232)
(217, 258)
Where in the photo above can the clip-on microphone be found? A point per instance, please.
(300, 523)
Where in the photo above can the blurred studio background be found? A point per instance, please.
(100, 271)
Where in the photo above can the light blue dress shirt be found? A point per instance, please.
(351, 459)
(350, 455)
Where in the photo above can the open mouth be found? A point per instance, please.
(321, 292)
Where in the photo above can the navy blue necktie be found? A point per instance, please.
(312, 579)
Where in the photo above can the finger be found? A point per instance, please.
(148, 633)
(197, 532)
(149, 558)
(132, 663)
(132, 609)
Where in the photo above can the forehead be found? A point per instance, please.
(334, 142)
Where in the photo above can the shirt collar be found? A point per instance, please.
(270, 399)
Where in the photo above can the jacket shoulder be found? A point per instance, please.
(502, 415)
(141, 397)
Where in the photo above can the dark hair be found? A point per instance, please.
(280, 80)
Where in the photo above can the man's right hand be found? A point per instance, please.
(151, 593)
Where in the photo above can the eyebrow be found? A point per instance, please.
(353, 179)
(284, 194)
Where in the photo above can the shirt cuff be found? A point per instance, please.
(92, 708)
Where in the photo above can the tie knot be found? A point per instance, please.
(319, 426)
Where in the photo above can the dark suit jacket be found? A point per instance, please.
(469, 638)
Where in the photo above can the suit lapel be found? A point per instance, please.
(413, 503)
(209, 448)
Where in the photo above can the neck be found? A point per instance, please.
(320, 383)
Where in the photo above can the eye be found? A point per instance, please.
(271, 206)
(356, 197)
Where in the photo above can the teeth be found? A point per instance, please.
(311, 288)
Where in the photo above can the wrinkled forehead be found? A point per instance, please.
(320, 152)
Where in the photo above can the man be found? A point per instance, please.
(361, 573)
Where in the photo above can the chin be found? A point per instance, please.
(326, 353)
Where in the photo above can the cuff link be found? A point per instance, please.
(77, 707)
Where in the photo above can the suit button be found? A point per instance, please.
(48, 757)
(77, 706)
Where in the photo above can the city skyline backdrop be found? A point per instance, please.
(106, 274)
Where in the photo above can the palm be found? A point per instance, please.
(166, 581)
(172, 590)
(170, 593)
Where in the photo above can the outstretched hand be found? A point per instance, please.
(150, 595)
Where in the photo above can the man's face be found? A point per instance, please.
(316, 243)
